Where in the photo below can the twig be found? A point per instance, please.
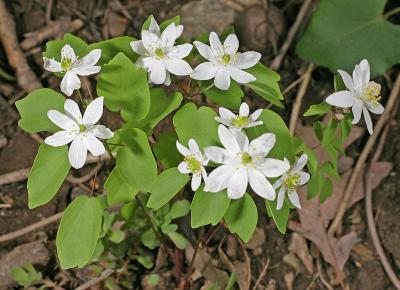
(196, 250)
(25, 77)
(106, 273)
(5, 205)
(293, 84)
(247, 261)
(31, 228)
(276, 63)
(368, 208)
(49, 7)
(78, 180)
(262, 274)
(363, 157)
(299, 99)
(321, 277)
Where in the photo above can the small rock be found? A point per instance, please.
(3, 141)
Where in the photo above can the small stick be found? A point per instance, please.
(196, 250)
(363, 157)
(299, 99)
(106, 273)
(293, 84)
(31, 228)
(276, 63)
(262, 274)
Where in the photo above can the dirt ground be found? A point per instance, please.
(261, 31)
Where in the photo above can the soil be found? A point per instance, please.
(103, 19)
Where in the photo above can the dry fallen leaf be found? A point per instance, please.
(298, 245)
(257, 240)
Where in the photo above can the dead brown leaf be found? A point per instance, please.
(298, 245)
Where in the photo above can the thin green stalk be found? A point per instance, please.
(391, 12)
(150, 220)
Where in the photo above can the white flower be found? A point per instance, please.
(159, 56)
(81, 131)
(224, 62)
(362, 95)
(238, 122)
(290, 180)
(73, 66)
(243, 163)
(193, 163)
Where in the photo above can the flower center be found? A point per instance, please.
(226, 58)
(246, 158)
(292, 181)
(240, 121)
(66, 63)
(193, 164)
(372, 92)
(159, 53)
(82, 128)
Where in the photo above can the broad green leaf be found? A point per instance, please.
(166, 186)
(319, 109)
(161, 106)
(266, 85)
(273, 123)
(146, 261)
(315, 184)
(230, 98)
(326, 190)
(179, 209)
(117, 236)
(53, 48)
(338, 83)
(135, 160)
(149, 239)
(199, 124)
(111, 47)
(208, 207)
(34, 107)
(48, 172)
(341, 33)
(180, 241)
(118, 191)
(125, 88)
(280, 217)
(169, 228)
(79, 231)
(241, 217)
(165, 150)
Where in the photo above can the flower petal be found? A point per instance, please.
(365, 72)
(375, 108)
(231, 44)
(281, 198)
(182, 149)
(68, 52)
(219, 178)
(246, 60)
(85, 65)
(93, 112)
(193, 147)
(347, 80)
(341, 99)
(94, 145)
(158, 72)
(368, 121)
(300, 163)
(69, 83)
(137, 47)
(167, 81)
(183, 168)
(154, 26)
(215, 44)
(357, 78)
(256, 114)
(204, 71)
(226, 114)
(262, 144)
(86, 71)
(272, 167)
(222, 78)
(178, 67)
(196, 181)
(100, 131)
(228, 139)
(304, 177)
(169, 35)
(261, 185)
(357, 110)
(205, 51)
(241, 139)
(294, 199)
(60, 138)
(150, 41)
(62, 121)
(244, 110)
(51, 65)
(240, 76)
(180, 51)
(71, 109)
(238, 184)
(279, 182)
(218, 154)
(77, 153)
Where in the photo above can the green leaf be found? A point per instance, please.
(26, 275)
(48, 172)
(179, 209)
(208, 207)
(118, 191)
(231, 282)
(341, 33)
(161, 106)
(34, 107)
(199, 124)
(79, 231)
(111, 47)
(166, 186)
(319, 109)
(149, 239)
(146, 261)
(125, 88)
(180, 241)
(241, 217)
(53, 48)
(135, 160)
(163, 25)
(280, 217)
(326, 190)
(169, 228)
(338, 83)
(117, 236)
(272, 122)
(230, 98)
(165, 150)
(266, 85)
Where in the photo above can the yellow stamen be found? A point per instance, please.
(246, 158)
(159, 53)
(240, 121)
(372, 92)
(292, 181)
(193, 164)
(66, 63)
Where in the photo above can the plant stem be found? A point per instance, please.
(391, 12)
(149, 219)
(196, 250)
(110, 153)
(80, 97)
(95, 176)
